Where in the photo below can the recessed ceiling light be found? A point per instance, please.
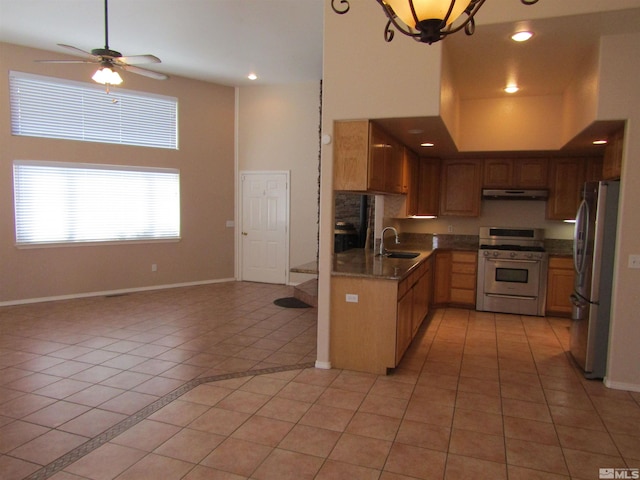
(599, 142)
(427, 144)
(522, 36)
(416, 131)
(252, 76)
(511, 88)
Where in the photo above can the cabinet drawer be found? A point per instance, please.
(463, 268)
(467, 297)
(467, 282)
(464, 257)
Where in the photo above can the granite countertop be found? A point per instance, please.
(359, 262)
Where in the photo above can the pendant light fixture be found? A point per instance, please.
(427, 21)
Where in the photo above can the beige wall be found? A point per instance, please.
(619, 98)
(206, 162)
(278, 129)
(510, 124)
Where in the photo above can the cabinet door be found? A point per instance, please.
(498, 173)
(394, 167)
(428, 187)
(612, 165)
(560, 281)
(566, 181)
(378, 153)
(404, 331)
(594, 170)
(420, 303)
(350, 155)
(531, 173)
(461, 187)
(411, 180)
(442, 278)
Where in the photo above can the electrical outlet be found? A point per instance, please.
(450, 229)
(352, 297)
(154, 267)
(634, 261)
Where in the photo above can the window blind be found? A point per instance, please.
(55, 108)
(58, 202)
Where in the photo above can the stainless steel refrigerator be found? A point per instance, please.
(593, 257)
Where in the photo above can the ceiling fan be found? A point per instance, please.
(109, 59)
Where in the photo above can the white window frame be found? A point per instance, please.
(50, 107)
(63, 203)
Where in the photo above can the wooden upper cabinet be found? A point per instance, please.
(366, 159)
(531, 173)
(411, 179)
(378, 159)
(498, 173)
(515, 173)
(460, 187)
(566, 179)
(428, 187)
(612, 164)
(351, 155)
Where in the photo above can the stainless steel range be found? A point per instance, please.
(512, 271)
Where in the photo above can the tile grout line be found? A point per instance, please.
(99, 440)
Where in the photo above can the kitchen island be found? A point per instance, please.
(377, 305)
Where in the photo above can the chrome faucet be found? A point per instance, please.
(383, 250)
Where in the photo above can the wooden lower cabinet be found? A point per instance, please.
(455, 278)
(463, 278)
(442, 278)
(373, 334)
(560, 280)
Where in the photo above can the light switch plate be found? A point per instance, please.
(634, 261)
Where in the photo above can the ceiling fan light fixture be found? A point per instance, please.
(106, 76)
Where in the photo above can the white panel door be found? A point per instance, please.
(265, 226)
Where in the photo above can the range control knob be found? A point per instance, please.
(512, 254)
(496, 253)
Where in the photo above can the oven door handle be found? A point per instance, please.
(518, 297)
(512, 260)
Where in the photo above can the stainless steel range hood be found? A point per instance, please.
(514, 194)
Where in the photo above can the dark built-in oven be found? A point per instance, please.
(512, 271)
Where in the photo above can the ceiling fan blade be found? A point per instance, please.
(80, 52)
(65, 61)
(135, 59)
(145, 72)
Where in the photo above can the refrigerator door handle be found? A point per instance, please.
(580, 237)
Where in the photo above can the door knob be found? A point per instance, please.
(244, 233)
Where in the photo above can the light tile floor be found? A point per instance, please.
(215, 382)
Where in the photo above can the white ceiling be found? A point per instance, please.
(220, 41)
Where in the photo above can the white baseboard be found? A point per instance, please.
(112, 292)
(323, 365)
(631, 387)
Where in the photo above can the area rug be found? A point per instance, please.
(291, 302)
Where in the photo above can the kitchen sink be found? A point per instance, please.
(401, 254)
